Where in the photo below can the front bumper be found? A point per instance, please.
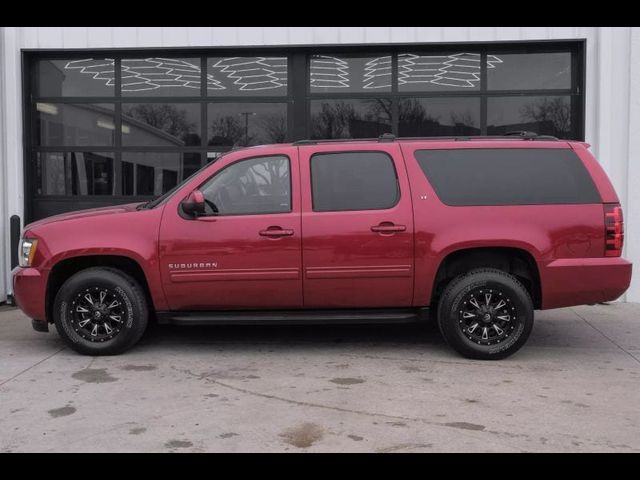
(579, 281)
(29, 289)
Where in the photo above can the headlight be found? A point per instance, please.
(27, 251)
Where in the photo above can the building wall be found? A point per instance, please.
(3, 177)
(612, 84)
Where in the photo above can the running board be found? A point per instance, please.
(294, 317)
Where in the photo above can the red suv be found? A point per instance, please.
(477, 231)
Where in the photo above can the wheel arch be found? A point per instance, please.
(66, 268)
(516, 261)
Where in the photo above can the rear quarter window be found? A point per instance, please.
(520, 176)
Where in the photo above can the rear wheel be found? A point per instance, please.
(485, 314)
(100, 311)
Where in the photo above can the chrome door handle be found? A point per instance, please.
(388, 227)
(276, 232)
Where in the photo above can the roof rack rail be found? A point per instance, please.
(389, 137)
(385, 137)
(529, 135)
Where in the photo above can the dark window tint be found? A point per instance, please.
(74, 125)
(155, 173)
(145, 181)
(254, 186)
(353, 181)
(246, 124)
(160, 77)
(85, 77)
(74, 173)
(335, 74)
(529, 71)
(428, 117)
(543, 115)
(127, 178)
(161, 124)
(350, 118)
(507, 176)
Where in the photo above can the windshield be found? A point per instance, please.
(165, 196)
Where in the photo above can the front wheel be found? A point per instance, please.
(485, 314)
(100, 311)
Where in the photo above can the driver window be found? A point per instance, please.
(258, 185)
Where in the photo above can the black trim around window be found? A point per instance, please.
(396, 200)
(297, 101)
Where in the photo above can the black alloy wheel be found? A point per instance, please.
(97, 314)
(485, 314)
(100, 311)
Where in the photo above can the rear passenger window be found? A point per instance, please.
(508, 176)
(353, 181)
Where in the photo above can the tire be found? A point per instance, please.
(506, 327)
(89, 327)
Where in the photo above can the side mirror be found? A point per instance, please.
(193, 205)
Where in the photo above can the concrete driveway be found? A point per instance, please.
(574, 387)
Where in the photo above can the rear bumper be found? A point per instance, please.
(579, 281)
(29, 288)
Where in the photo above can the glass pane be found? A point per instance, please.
(160, 76)
(529, 71)
(74, 125)
(74, 173)
(426, 117)
(246, 76)
(350, 118)
(150, 173)
(246, 124)
(543, 115)
(254, 186)
(161, 124)
(331, 74)
(506, 176)
(353, 181)
(88, 77)
(427, 73)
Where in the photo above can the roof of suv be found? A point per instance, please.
(388, 137)
(535, 140)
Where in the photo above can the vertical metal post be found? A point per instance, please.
(14, 232)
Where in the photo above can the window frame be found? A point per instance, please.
(236, 162)
(338, 152)
(440, 195)
(297, 98)
(577, 97)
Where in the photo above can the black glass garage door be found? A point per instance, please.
(123, 126)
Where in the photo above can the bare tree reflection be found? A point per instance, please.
(552, 114)
(276, 174)
(274, 127)
(229, 130)
(332, 121)
(415, 121)
(166, 118)
(340, 119)
(462, 118)
(412, 112)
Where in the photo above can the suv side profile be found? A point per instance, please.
(477, 231)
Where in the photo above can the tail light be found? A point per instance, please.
(613, 230)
